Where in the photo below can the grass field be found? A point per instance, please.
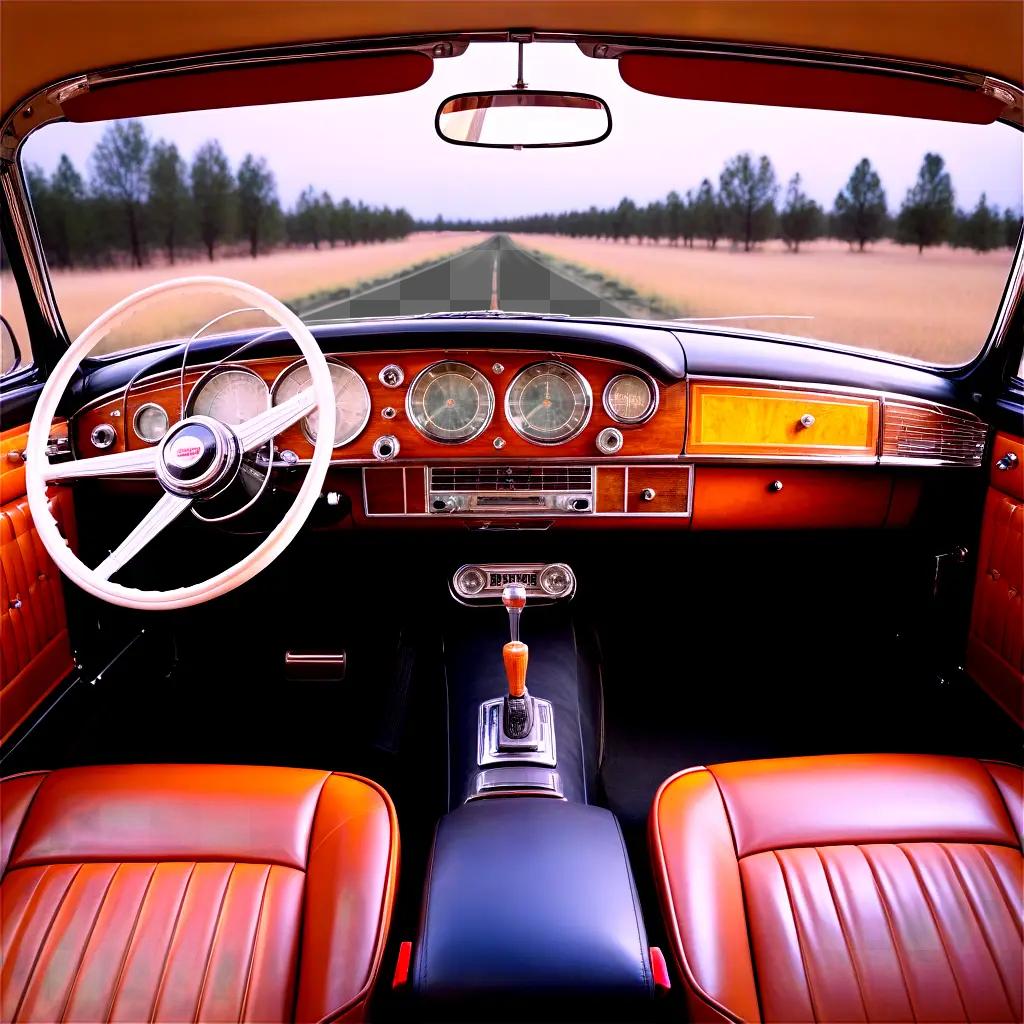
(938, 306)
(289, 274)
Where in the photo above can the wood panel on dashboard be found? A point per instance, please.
(732, 419)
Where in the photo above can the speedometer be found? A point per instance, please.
(450, 402)
(231, 394)
(351, 399)
(548, 403)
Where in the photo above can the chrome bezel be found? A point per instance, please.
(566, 372)
(304, 422)
(215, 371)
(417, 414)
(652, 405)
(398, 370)
(138, 414)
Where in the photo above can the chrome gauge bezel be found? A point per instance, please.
(307, 433)
(417, 415)
(138, 415)
(583, 407)
(216, 371)
(652, 406)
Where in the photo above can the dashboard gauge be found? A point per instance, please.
(548, 403)
(150, 422)
(630, 398)
(450, 402)
(231, 394)
(351, 399)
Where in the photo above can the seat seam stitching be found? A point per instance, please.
(1002, 891)
(884, 903)
(252, 950)
(128, 944)
(213, 941)
(979, 920)
(85, 944)
(170, 942)
(799, 940)
(42, 944)
(842, 929)
(938, 927)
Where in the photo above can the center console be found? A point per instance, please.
(530, 910)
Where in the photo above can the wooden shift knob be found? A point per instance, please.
(516, 655)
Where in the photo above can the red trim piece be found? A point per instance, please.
(731, 80)
(247, 86)
(401, 978)
(659, 971)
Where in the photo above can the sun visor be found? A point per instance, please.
(730, 80)
(252, 85)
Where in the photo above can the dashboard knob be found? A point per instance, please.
(775, 486)
(103, 436)
(648, 494)
(391, 376)
(609, 441)
(807, 421)
(385, 448)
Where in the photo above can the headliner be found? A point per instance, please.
(42, 41)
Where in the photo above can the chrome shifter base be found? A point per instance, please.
(495, 746)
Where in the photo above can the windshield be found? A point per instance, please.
(877, 232)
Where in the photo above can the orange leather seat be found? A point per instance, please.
(844, 888)
(193, 892)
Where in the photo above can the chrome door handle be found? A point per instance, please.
(1008, 461)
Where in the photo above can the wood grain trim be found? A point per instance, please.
(660, 436)
(730, 419)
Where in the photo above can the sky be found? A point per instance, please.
(383, 149)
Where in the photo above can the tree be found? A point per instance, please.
(168, 196)
(747, 194)
(654, 221)
(675, 216)
(926, 216)
(981, 229)
(707, 215)
(625, 220)
(212, 194)
(257, 201)
(801, 218)
(309, 218)
(1011, 227)
(859, 211)
(119, 173)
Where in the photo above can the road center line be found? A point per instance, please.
(494, 281)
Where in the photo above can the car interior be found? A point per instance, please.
(502, 659)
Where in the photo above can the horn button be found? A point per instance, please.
(198, 457)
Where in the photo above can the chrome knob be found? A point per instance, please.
(648, 494)
(385, 448)
(609, 441)
(807, 421)
(775, 486)
(391, 376)
(1008, 461)
(103, 436)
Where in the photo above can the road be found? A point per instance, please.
(494, 275)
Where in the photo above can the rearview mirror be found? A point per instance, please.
(523, 119)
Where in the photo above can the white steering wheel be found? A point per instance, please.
(198, 456)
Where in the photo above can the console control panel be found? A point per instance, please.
(483, 584)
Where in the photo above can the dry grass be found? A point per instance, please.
(288, 274)
(937, 307)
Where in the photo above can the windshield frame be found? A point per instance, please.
(44, 107)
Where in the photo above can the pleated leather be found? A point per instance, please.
(866, 926)
(206, 938)
(909, 932)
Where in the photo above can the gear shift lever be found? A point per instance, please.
(517, 709)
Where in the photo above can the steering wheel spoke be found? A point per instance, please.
(256, 432)
(160, 516)
(135, 463)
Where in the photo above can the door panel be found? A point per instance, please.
(34, 642)
(995, 645)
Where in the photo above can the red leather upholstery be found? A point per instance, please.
(844, 888)
(193, 892)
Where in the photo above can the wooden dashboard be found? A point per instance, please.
(711, 453)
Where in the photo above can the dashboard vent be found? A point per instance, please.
(931, 433)
(502, 479)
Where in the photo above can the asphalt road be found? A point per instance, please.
(494, 275)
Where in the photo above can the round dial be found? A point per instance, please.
(450, 402)
(629, 398)
(151, 422)
(548, 403)
(351, 398)
(229, 394)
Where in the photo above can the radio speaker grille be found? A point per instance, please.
(932, 433)
(505, 479)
